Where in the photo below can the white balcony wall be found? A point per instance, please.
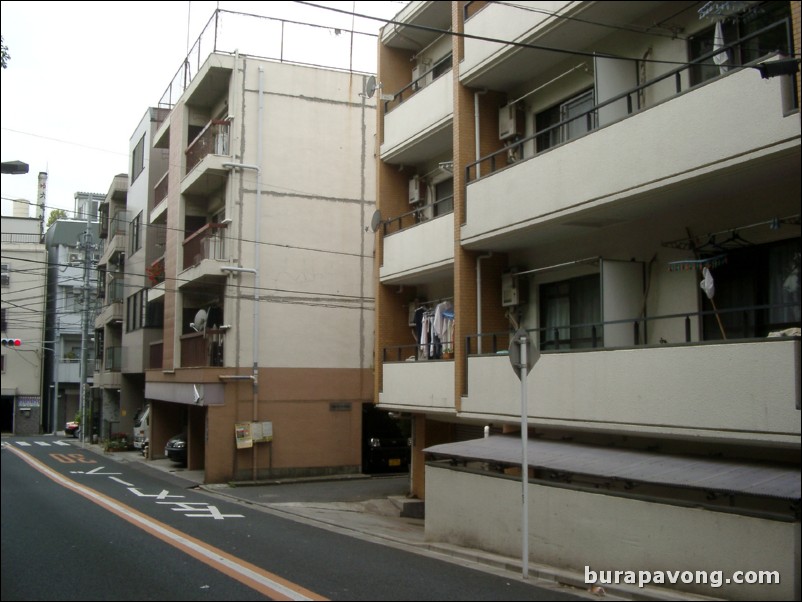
(423, 114)
(673, 390)
(113, 312)
(722, 125)
(501, 21)
(423, 247)
(418, 386)
(69, 372)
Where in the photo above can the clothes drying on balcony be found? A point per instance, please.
(434, 330)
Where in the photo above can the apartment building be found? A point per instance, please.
(71, 296)
(256, 271)
(107, 320)
(23, 272)
(614, 186)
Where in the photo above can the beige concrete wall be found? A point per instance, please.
(571, 529)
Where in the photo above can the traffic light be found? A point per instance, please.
(11, 342)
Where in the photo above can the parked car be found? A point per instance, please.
(386, 444)
(72, 429)
(142, 430)
(176, 448)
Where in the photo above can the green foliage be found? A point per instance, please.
(56, 214)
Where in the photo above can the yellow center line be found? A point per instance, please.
(264, 582)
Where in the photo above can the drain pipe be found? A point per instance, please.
(476, 132)
(256, 244)
(479, 297)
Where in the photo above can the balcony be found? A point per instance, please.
(584, 178)
(161, 189)
(421, 127)
(69, 371)
(213, 139)
(744, 390)
(414, 252)
(204, 251)
(110, 314)
(202, 349)
(425, 386)
(108, 371)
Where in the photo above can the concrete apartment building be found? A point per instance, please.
(69, 270)
(248, 310)
(621, 185)
(24, 294)
(107, 322)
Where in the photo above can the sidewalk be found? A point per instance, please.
(381, 520)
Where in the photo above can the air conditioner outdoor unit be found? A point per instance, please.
(417, 190)
(511, 122)
(513, 290)
(75, 258)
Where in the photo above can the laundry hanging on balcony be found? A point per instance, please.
(697, 264)
(434, 330)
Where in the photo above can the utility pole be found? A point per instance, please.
(85, 421)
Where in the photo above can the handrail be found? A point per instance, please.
(596, 340)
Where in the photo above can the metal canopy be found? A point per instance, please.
(727, 476)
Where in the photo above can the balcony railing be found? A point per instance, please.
(741, 324)
(441, 67)
(213, 139)
(207, 242)
(202, 349)
(418, 215)
(515, 151)
(112, 360)
(160, 190)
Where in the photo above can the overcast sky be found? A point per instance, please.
(82, 74)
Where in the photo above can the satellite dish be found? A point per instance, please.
(370, 86)
(376, 220)
(200, 321)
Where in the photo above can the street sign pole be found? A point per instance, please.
(523, 358)
(523, 341)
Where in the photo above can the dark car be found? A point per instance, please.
(176, 448)
(385, 441)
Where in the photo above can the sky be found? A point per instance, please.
(81, 76)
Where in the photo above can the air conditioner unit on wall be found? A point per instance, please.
(511, 122)
(75, 258)
(513, 290)
(417, 190)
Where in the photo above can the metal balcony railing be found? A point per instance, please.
(501, 158)
(213, 139)
(207, 242)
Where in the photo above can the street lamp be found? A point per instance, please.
(15, 167)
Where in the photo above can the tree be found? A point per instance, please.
(6, 56)
(56, 214)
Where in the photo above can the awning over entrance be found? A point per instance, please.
(709, 474)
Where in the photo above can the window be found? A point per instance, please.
(569, 119)
(138, 159)
(136, 233)
(732, 30)
(444, 197)
(3, 320)
(764, 276)
(570, 311)
(5, 274)
(442, 66)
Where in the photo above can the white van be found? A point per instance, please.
(142, 430)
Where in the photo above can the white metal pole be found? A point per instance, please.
(524, 463)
